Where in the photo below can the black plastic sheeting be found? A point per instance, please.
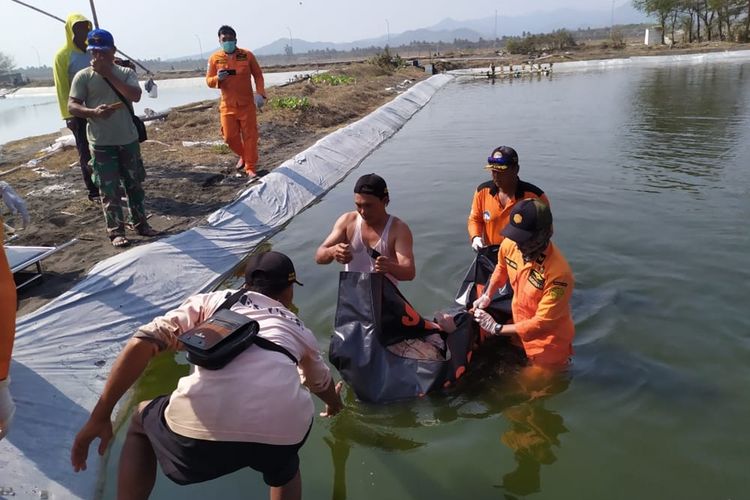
(372, 314)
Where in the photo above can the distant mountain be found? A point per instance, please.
(449, 29)
(545, 22)
(426, 35)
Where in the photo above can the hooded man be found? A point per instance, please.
(69, 60)
(542, 283)
(232, 70)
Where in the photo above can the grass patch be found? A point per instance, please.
(289, 102)
(220, 149)
(329, 79)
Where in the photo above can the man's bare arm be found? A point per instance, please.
(336, 245)
(77, 108)
(402, 267)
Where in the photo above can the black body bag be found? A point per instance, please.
(372, 314)
(222, 337)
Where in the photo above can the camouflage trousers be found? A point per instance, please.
(119, 170)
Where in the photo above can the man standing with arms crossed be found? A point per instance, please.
(69, 60)
(232, 70)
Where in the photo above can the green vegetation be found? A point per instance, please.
(529, 44)
(6, 63)
(387, 62)
(702, 19)
(291, 102)
(329, 79)
(221, 149)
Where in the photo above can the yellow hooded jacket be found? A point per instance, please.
(62, 62)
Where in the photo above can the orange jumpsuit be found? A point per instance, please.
(238, 121)
(7, 310)
(487, 217)
(541, 301)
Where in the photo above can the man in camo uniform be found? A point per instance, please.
(112, 135)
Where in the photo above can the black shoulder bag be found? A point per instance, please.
(218, 340)
(139, 125)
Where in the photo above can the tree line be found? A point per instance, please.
(701, 19)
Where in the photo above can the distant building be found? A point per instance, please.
(13, 79)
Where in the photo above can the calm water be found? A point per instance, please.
(34, 111)
(647, 173)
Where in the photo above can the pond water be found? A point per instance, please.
(644, 170)
(34, 111)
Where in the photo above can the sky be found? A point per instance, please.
(149, 29)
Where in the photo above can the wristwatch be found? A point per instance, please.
(498, 329)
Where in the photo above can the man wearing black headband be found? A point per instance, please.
(369, 239)
(494, 200)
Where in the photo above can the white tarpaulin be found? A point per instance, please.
(64, 351)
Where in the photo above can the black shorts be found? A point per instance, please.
(186, 460)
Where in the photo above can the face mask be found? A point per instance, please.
(229, 46)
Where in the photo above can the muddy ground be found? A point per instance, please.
(184, 184)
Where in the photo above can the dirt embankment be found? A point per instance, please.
(184, 184)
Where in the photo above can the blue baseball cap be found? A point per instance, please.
(100, 40)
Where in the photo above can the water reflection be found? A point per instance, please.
(498, 385)
(679, 135)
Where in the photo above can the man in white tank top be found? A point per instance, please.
(369, 239)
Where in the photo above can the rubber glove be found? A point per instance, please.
(482, 302)
(486, 322)
(222, 74)
(14, 202)
(259, 101)
(477, 243)
(7, 408)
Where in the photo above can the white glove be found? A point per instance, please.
(259, 101)
(477, 243)
(7, 408)
(222, 74)
(486, 322)
(482, 302)
(14, 202)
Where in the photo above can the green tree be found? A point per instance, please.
(6, 63)
(660, 8)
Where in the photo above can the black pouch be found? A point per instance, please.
(218, 340)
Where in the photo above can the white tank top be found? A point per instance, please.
(361, 260)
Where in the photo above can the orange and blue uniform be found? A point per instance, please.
(541, 301)
(238, 119)
(7, 310)
(488, 217)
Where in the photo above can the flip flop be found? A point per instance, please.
(120, 242)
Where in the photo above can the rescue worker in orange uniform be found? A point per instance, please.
(7, 309)
(494, 200)
(542, 283)
(232, 70)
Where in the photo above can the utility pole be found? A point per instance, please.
(387, 33)
(494, 40)
(200, 45)
(612, 22)
(291, 43)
